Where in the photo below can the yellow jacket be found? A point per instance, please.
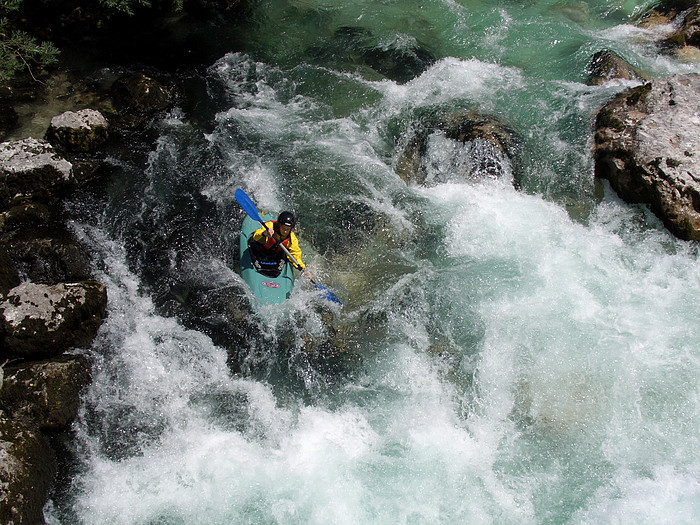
(291, 242)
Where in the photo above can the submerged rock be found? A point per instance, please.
(607, 65)
(399, 58)
(646, 145)
(461, 146)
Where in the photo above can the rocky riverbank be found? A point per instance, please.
(646, 144)
(58, 132)
(50, 306)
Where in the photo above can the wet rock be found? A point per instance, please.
(473, 146)
(684, 42)
(140, 93)
(8, 274)
(687, 54)
(24, 216)
(84, 130)
(48, 255)
(41, 321)
(27, 468)
(47, 392)
(30, 169)
(672, 8)
(646, 145)
(400, 58)
(607, 65)
(689, 32)
(138, 97)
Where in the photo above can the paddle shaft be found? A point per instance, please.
(289, 255)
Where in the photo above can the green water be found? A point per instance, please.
(502, 356)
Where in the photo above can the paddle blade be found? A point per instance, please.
(327, 294)
(247, 205)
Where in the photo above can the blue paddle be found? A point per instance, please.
(251, 209)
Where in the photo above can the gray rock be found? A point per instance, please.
(46, 392)
(646, 145)
(84, 130)
(47, 255)
(41, 321)
(30, 169)
(27, 468)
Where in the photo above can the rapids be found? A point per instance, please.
(502, 355)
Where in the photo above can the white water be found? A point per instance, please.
(516, 365)
(581, 387)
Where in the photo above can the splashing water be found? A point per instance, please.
(502, 355)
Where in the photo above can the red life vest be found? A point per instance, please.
(271, 245)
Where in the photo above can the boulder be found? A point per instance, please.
(8, 274)
(684, 42)
(46, 392)
(41, 320)
(30, 169)
(47, 255)
(474, 147)
(84, 130)
(689, 32)
(24, 216)
(400, 58)
(140, 94)
(607, 65)
(646, 145)
(27, 468)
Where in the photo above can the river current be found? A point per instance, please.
(502, 355)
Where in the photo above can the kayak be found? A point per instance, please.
(268, 288)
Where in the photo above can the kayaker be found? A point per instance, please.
(281, 231)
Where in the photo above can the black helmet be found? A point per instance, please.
(287, 219)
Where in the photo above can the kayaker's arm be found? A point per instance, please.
(263, 230)
(295, 250)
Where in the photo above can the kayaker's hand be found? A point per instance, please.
(269, 233)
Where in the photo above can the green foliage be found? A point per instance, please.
(127, 6)
(18, 50)
(9, 5)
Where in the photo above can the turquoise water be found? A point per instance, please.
(502, 355)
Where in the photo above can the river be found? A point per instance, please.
(502, 355)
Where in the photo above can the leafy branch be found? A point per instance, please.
(19, 50)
